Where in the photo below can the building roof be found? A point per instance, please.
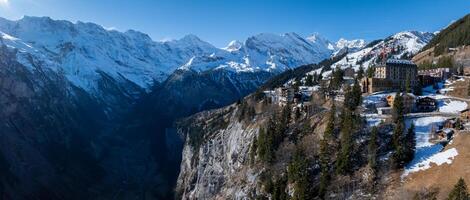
(399, 61)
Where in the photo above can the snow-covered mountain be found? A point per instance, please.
(81, 51)
(263, 52)
(352, 45)
(400, 45)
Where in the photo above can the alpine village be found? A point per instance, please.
(89, 112)
(378, 123)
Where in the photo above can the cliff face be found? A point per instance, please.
(218, 167)
(219, 160)
(256, 149)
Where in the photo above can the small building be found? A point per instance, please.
(465, 114)
(426, 104)
(426, 80)
(309, 108)
(384, 111)
(445, 134)
(438, 73)
(450, 123)
(409, 101)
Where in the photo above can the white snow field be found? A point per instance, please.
(438, 159)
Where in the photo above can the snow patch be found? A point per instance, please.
(438, 159)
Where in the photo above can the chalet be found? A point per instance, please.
(438, 73)
(445, 134)
(426, 80)
(408, 102)
(426, 104)
(309, 108)
(384, 111)
(391, 76)
(465, 114)
(450, 123)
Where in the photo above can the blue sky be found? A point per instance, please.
(220, 21)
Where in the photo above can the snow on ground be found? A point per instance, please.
(438, 159)
(423, 127)
(451, 106)
(373, 121)
(377, 97)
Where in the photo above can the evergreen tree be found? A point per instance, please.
(418, 89)
(298, 174)
(356, 94)
(324, 172)
(408, 85)
(324, 152)
(459, 192)
(279, 189)
(343, 162)
(360, 72)
(373, 148)
(337, 79)
(264, 146)
(330, 126)
(398, 108)
(309, 80)
(348, 98)
(410, 144)
(370, 72)
(398, 156)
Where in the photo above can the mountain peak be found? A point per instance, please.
(234, 45)
(350, 44)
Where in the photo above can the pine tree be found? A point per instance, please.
(418, 89)
(324, 163)
(370, 72)
(337, 79)
(309, 80)
(360, 72)
(264, 146)
(373, 148)
(348, 98)
(398, 156)
(459, 192)
(330, 126)
(324, 152)
(410, 144)
(408, 85)
(356, 94)
(279, 189)
(398, 108)
(343, 163)
(298, 174)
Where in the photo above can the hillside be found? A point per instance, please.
(455, 35)
(453, 41)
(401, 45)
